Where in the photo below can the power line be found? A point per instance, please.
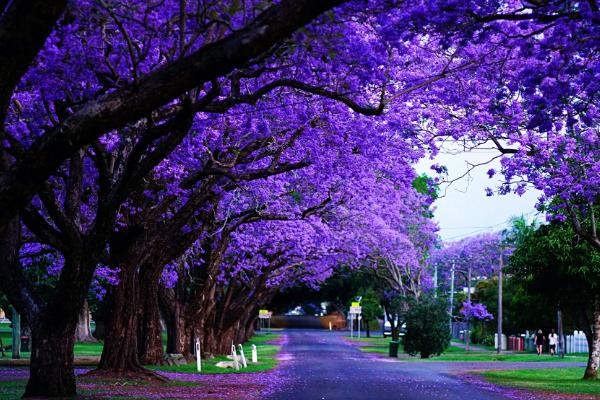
(481, 229)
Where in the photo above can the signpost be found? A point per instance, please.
(355, 311)
(265, 315)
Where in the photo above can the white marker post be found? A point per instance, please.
(236, 364)
(254, 354)
(329, 325)
(198, 355)
(241, 349)
(359, 318)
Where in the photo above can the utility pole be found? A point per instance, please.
(451, 298)
(468, 332)
(501, 266)
(561, 339)
(435, 281)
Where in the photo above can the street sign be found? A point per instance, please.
(355, 310)
(355, 304)
(265, 314)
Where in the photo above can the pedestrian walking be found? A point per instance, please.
(539, 342)
(552, 341)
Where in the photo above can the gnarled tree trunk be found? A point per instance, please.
(150, 346)
(120, 352)
(51, 371)
(53, 333)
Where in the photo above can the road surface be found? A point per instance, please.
(320, 365)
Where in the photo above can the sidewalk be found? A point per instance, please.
(477, 348)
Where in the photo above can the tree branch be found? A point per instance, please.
(130, 103)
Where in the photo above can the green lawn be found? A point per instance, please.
(563, 380)
(81, 349)
(459, 354)
(266, 358)
(454, 353)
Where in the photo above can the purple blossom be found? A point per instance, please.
(475, 311)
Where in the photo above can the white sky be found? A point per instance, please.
(465, 210)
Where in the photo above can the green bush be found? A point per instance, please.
(479, 333)
(488, 340)
(427, 330)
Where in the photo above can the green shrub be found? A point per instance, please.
(427, 331)
(478, 333)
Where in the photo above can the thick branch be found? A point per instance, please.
(116, 109)
(24, 27)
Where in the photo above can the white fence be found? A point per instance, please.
(576, 343)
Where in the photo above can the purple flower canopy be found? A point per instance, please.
(475, 311)
(440, 73)
(481, 253)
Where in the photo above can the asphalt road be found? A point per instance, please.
(320, 365)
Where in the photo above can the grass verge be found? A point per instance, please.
(266, 358)
(553, 380)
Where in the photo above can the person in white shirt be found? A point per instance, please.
(552, 341)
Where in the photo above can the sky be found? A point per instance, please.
(464, 209)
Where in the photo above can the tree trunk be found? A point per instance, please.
(100, 329)
(51, 371)
(83, 331)
(171, 308)
(119, 355)
(219, 341)
(367, 329)
(150, 346)
(591, 371)
(53, 333)
(175, 328)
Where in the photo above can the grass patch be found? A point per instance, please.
(266, 358)
(554, 380)
(81, 349)
(12, 389)
(376, 344)
(459, 354)
(480, 346)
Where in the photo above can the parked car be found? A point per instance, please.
(387, 329)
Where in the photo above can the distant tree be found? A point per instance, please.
(427, 328)
(523, 308)
(557, 264)
(371, 308)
